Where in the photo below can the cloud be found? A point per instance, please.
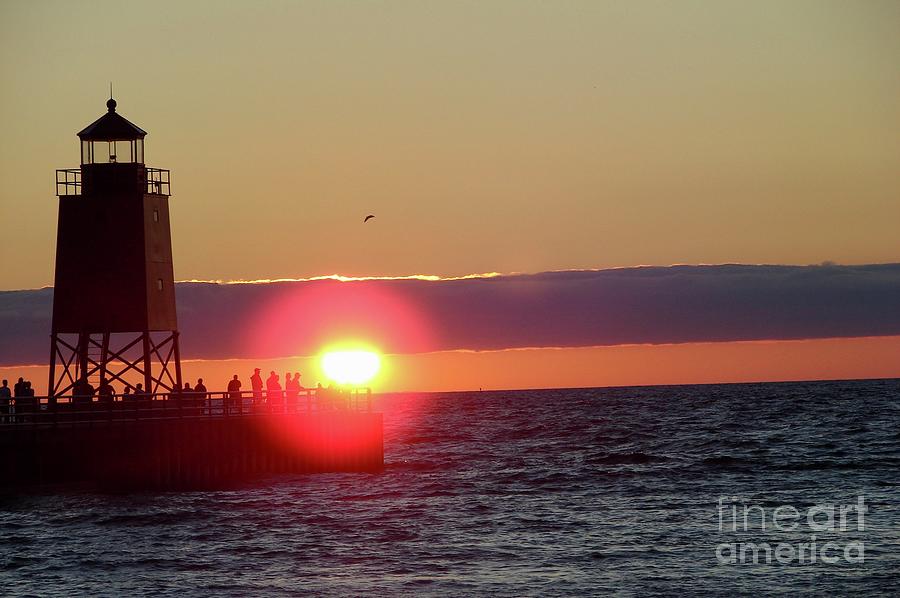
(677, 304)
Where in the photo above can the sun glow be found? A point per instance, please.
(351, 367)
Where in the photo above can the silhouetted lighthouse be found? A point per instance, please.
(114, 295)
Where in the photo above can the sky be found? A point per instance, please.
(500, 136)
(485, 137)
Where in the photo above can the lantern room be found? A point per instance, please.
(112, 139)
(112, 160)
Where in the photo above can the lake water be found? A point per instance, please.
(629, 491)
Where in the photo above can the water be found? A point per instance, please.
(560, 492)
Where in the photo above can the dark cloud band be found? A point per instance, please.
(677, 304)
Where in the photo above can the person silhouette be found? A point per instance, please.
(234, 393)
(256, 384)
(200, 396)
(28, 399)
(292, 390)
(106, 393)
(323, 397)
(82, 391)
(5, 395)
(274, 398)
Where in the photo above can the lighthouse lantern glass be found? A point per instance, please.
(112, 151)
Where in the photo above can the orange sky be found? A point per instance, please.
(823, 359)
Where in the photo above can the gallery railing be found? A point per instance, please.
(70, 181)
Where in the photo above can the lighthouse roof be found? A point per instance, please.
(111, 127)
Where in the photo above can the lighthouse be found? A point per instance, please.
(114, 317)
(114, 323)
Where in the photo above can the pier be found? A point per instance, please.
(182, 441)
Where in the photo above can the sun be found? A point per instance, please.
(351, 367)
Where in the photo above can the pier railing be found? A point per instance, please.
(35, 411)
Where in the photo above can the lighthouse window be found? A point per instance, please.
(159, 284)
(155, 215)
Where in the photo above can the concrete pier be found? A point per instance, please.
(163, 448)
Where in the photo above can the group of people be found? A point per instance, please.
(274, 391)
(272, 395)
(269, 394)
(23, 394)
(83, 391)
(17, 403)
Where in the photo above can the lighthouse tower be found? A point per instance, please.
(114, 293)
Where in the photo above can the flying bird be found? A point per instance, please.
(369, 217)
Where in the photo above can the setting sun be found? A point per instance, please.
(351, 367)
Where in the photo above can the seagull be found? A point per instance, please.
(369, 217)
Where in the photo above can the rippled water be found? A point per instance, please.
(568, 492)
